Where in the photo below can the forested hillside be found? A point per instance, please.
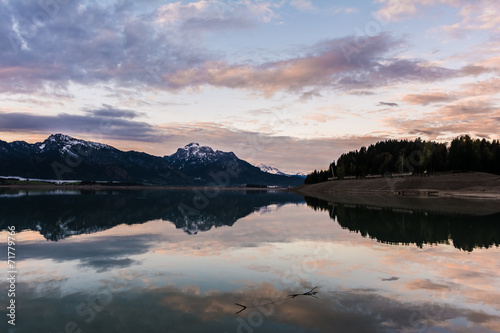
(417, 157)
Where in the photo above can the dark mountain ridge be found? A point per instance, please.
(65, 158)
(205, 165)
(62, 157)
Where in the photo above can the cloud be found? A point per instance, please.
(449, 129)
(350, 10)
(428, 98)
(325, 65)
(122, 43)
(165, 48)
(398, 10)
(468, 108)
(108, 111)
(204, 16)
(303, 5)
(465, 116)
(393, 278)
(319, 117)
(107, 122)
(474, 70)
(361, 93)
(388, 104)
(472, 108)
(476, 16)
(308, 6)
(309, 95)
(488, 87)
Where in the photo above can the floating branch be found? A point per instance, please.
(244, 307)
(311, 293)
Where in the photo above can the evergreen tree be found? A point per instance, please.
(417, 156)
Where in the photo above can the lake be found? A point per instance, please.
(243, 261)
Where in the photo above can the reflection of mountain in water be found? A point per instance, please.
(60, 216)
(393, 226)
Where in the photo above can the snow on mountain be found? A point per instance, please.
(270, 169)
(276, 171)
(65, 143)
(193, 150)
(63, 157)
(193, 154)
(300, 174)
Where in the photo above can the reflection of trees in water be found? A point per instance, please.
(416, 227)
(60, 216)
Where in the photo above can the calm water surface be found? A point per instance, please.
(179, 261)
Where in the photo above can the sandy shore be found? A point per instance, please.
(471, 193)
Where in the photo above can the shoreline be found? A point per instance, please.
(131, 187)
(467, 193)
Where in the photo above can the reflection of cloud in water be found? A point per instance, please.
(190, 283)
(102, 247)
(172, 309)
(426, 284)
(100, 254)
(103, 265)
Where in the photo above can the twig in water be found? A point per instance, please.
(311, 293)
(244, 307)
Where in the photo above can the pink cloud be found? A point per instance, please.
(318, 117)
(429, 98)
(398, 10)
(452, 120)
(326, 65)
(488, 87)
(476, 15)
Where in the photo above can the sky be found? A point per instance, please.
(289, 83)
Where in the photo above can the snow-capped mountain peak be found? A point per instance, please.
(275, 171)
(65, 143)
(194, 150)
(270, 169)
(192, 164)
(61, 137)
(193, 155)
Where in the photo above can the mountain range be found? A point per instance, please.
(62, 157)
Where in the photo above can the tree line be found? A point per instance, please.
(416, 157)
